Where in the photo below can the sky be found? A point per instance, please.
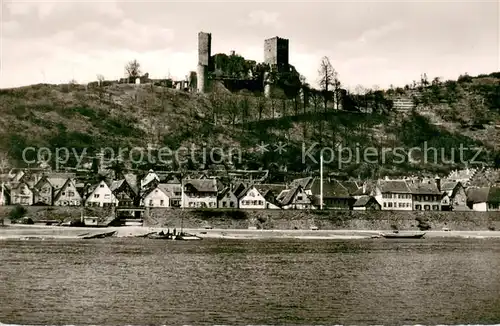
(369, 43)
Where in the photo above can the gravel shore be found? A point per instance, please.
(52, 232)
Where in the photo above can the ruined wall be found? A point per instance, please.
(204, 54)
(276, 52)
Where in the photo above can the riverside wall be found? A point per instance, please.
(283, 219)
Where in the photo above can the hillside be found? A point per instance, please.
(76, 116)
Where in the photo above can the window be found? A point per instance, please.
(224, 204)
(260, 202)
(106, 196)
(231, 204)
(161, 202)
(390, 204)
(385, 204)
(64, 193)
(101, 186)
(427, 207)
(299, 197)
(70, 193)
(96, 195)
(435, 207)
(418, 207)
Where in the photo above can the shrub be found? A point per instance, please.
(17, 212)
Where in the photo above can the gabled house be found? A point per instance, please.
(227, 199)
(101, 196)
(68, 195)
(394, 195)
(200, 193)
(477, 198)
(366, 203)
(21, 194)
(251, 198)
(295, 198)
(160, 196)
(175, 189)
(270, 193)
(335, 195)
(123, 192)
(148, 180)
(367, 188)
(426, 196)
(454, 196)
(43, 192)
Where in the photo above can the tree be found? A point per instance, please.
(328, 79)
(133, 69)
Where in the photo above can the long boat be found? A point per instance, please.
(100, 235)
(402, 236)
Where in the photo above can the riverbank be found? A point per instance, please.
(59, 232)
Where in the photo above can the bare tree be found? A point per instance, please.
(328, 80)
(133, 69)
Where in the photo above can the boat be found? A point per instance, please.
(100, 235)
(187, 236)
(159, 236)
(397, 235)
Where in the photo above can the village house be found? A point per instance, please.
(393, 195)
(426, 196)
(335, 195)
(200, 193)
(124, 193)
(160, 196)
(295, 198)
(477, 199)
(251, 198)
(227, 199)
(366, 203)
(454, 196)
(68, 195)
(494, 199)
(269, 191)
(148, 180)
(101, 196)
(21, 194)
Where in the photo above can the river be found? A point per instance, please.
(219, 281)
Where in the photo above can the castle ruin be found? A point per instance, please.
(276, 53)
(204, 54)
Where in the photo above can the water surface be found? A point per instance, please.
(140, 281)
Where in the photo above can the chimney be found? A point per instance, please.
(438, 183)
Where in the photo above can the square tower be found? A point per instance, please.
(204, 48)
(276, 52)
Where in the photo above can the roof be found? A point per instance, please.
(203, 185)
(422, 188)
(266, 189)
(331, 189)
(449, 185)
(290, 195)
(362, 201)
(478, 195)
(57, 182)
(394, 186)
(167, 189)
(303, 182)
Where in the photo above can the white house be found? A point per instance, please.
(251, 198)
(21, 194)
(101, 196)
(394, 195)
(199, 193)
(295, 198)
(68, 195)
(158, 197)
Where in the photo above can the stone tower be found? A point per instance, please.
(276, 53)
(204, 53)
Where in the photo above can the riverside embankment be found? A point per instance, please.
(284, 219)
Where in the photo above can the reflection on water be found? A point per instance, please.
(140, 281)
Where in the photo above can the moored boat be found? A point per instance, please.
(402, 235)
(100, 235)
(186, 236)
